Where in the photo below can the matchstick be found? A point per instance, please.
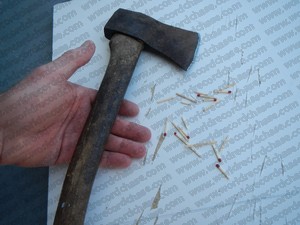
(222, 171)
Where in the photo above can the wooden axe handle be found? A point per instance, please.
(82, 170)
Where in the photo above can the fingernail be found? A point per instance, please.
(86, 44)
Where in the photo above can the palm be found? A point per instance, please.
(48, 114)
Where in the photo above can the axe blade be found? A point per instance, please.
(177, 44)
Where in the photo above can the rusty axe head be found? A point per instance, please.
(176, 44)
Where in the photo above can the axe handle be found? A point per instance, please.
(82, 170)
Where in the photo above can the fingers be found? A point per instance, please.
(119, 151)
(125, 146)
(128, 108)
(70, 61)
(114, 160)
(125, 142)
(130, 130)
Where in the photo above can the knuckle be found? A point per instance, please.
(106, 160)
(69, 56)
(130, 127)
(123, 144)
(41, 70)
(139, 151)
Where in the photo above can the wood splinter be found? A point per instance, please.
(161, 139)
(223, 144)
(184, 123)
(147, 113)
(186, 103)
(263, 165)
(156, 199)
(209, 107)
(156, 219)
(165, 100)
(187, 145)
(201, 144)
(229, 86)
(140, 217)
(282, 166)
(152, 91)
(186, 98)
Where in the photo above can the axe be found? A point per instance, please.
(129, 32)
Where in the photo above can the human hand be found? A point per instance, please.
(42, 117)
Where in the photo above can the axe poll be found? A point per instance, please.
(129, 33)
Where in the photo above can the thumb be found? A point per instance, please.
(73, 59)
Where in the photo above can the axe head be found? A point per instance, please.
(176, 44)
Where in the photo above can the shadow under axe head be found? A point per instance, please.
(176, 44)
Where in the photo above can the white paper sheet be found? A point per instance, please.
(253, 44)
